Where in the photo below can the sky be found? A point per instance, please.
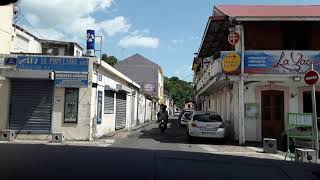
(167, 32)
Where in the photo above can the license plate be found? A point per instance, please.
(209, 133)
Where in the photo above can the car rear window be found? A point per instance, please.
(207, 118)
(187, 114)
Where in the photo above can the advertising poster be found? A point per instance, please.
(71, 105)
(281, 62)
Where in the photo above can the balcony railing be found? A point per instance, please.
(208, 73)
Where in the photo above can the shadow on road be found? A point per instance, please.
(60, 162)
(177, 134)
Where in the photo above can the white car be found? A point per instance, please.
(185, 118)
(206, 125)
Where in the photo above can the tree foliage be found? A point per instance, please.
(111, 60)
(180, 91)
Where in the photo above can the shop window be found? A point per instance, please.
(108, 102)
(71, 105)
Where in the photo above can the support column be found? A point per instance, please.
(241, 89)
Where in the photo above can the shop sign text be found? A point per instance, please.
(281, 62)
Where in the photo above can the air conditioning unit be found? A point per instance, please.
(270, 145)
(7, 135)
(305, 155)
(58, 137)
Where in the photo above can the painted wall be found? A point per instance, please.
(4, 105)
(21, 39)
(141, 108)
(72, 131)
(76, 48)
(108, 120)
(6, 13)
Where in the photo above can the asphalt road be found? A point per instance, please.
(144, 154)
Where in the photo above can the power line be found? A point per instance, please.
(31, 25)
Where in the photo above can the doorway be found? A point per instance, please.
(272, 113)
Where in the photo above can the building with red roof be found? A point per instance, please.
(251, 63)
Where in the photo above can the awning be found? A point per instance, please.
(108, 88)
(215, 36)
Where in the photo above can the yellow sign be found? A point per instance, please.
(231, 62)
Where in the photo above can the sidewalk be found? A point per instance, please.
(124, 132)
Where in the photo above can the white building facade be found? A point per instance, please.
(86, 100)
(256, 82)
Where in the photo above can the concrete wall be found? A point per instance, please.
(6, 13)
(34, 46)
(72, 131)
(4, 105)
(141, 108)
(76, 48)
(108, 120)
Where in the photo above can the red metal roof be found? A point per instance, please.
(270, 10)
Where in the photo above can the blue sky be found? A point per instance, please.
(165, 31)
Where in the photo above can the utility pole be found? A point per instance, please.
(315, 118)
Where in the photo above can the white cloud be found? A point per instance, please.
(70, 19)
(139, 41)
(113, 26)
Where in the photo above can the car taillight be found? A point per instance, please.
(222, 125)
(194, 125)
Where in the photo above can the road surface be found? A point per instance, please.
(147, 154)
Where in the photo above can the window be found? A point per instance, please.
(207, 118)
(108, 102)
(99, 107)
(22, 42)
(71, 105)
(189, 106)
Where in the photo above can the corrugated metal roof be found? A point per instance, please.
(269, 10)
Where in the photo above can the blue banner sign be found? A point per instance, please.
(52, 63)
(10, 61)
(281, 62)
(71, 80)
(90, 42)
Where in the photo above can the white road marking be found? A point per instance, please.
(208, 148)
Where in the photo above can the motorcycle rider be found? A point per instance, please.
(163, 113)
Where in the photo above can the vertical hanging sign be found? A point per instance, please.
(90, 43)
(99, 108)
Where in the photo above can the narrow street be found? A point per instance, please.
(176, 139)
(147, 154)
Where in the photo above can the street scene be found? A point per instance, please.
(114, 89)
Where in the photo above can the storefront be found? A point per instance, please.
(32, 83)
(254, 78)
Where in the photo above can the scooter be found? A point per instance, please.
(163, 125)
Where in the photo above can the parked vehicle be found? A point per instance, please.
(205, 124)
(163, 125)
(185, 118)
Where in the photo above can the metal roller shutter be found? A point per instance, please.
(31, 105)
(108, 102)
(121, 110)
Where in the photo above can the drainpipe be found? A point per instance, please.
(241, 90)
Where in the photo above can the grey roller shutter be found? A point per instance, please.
(121, 110)
(30, 105)
(108, 102)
